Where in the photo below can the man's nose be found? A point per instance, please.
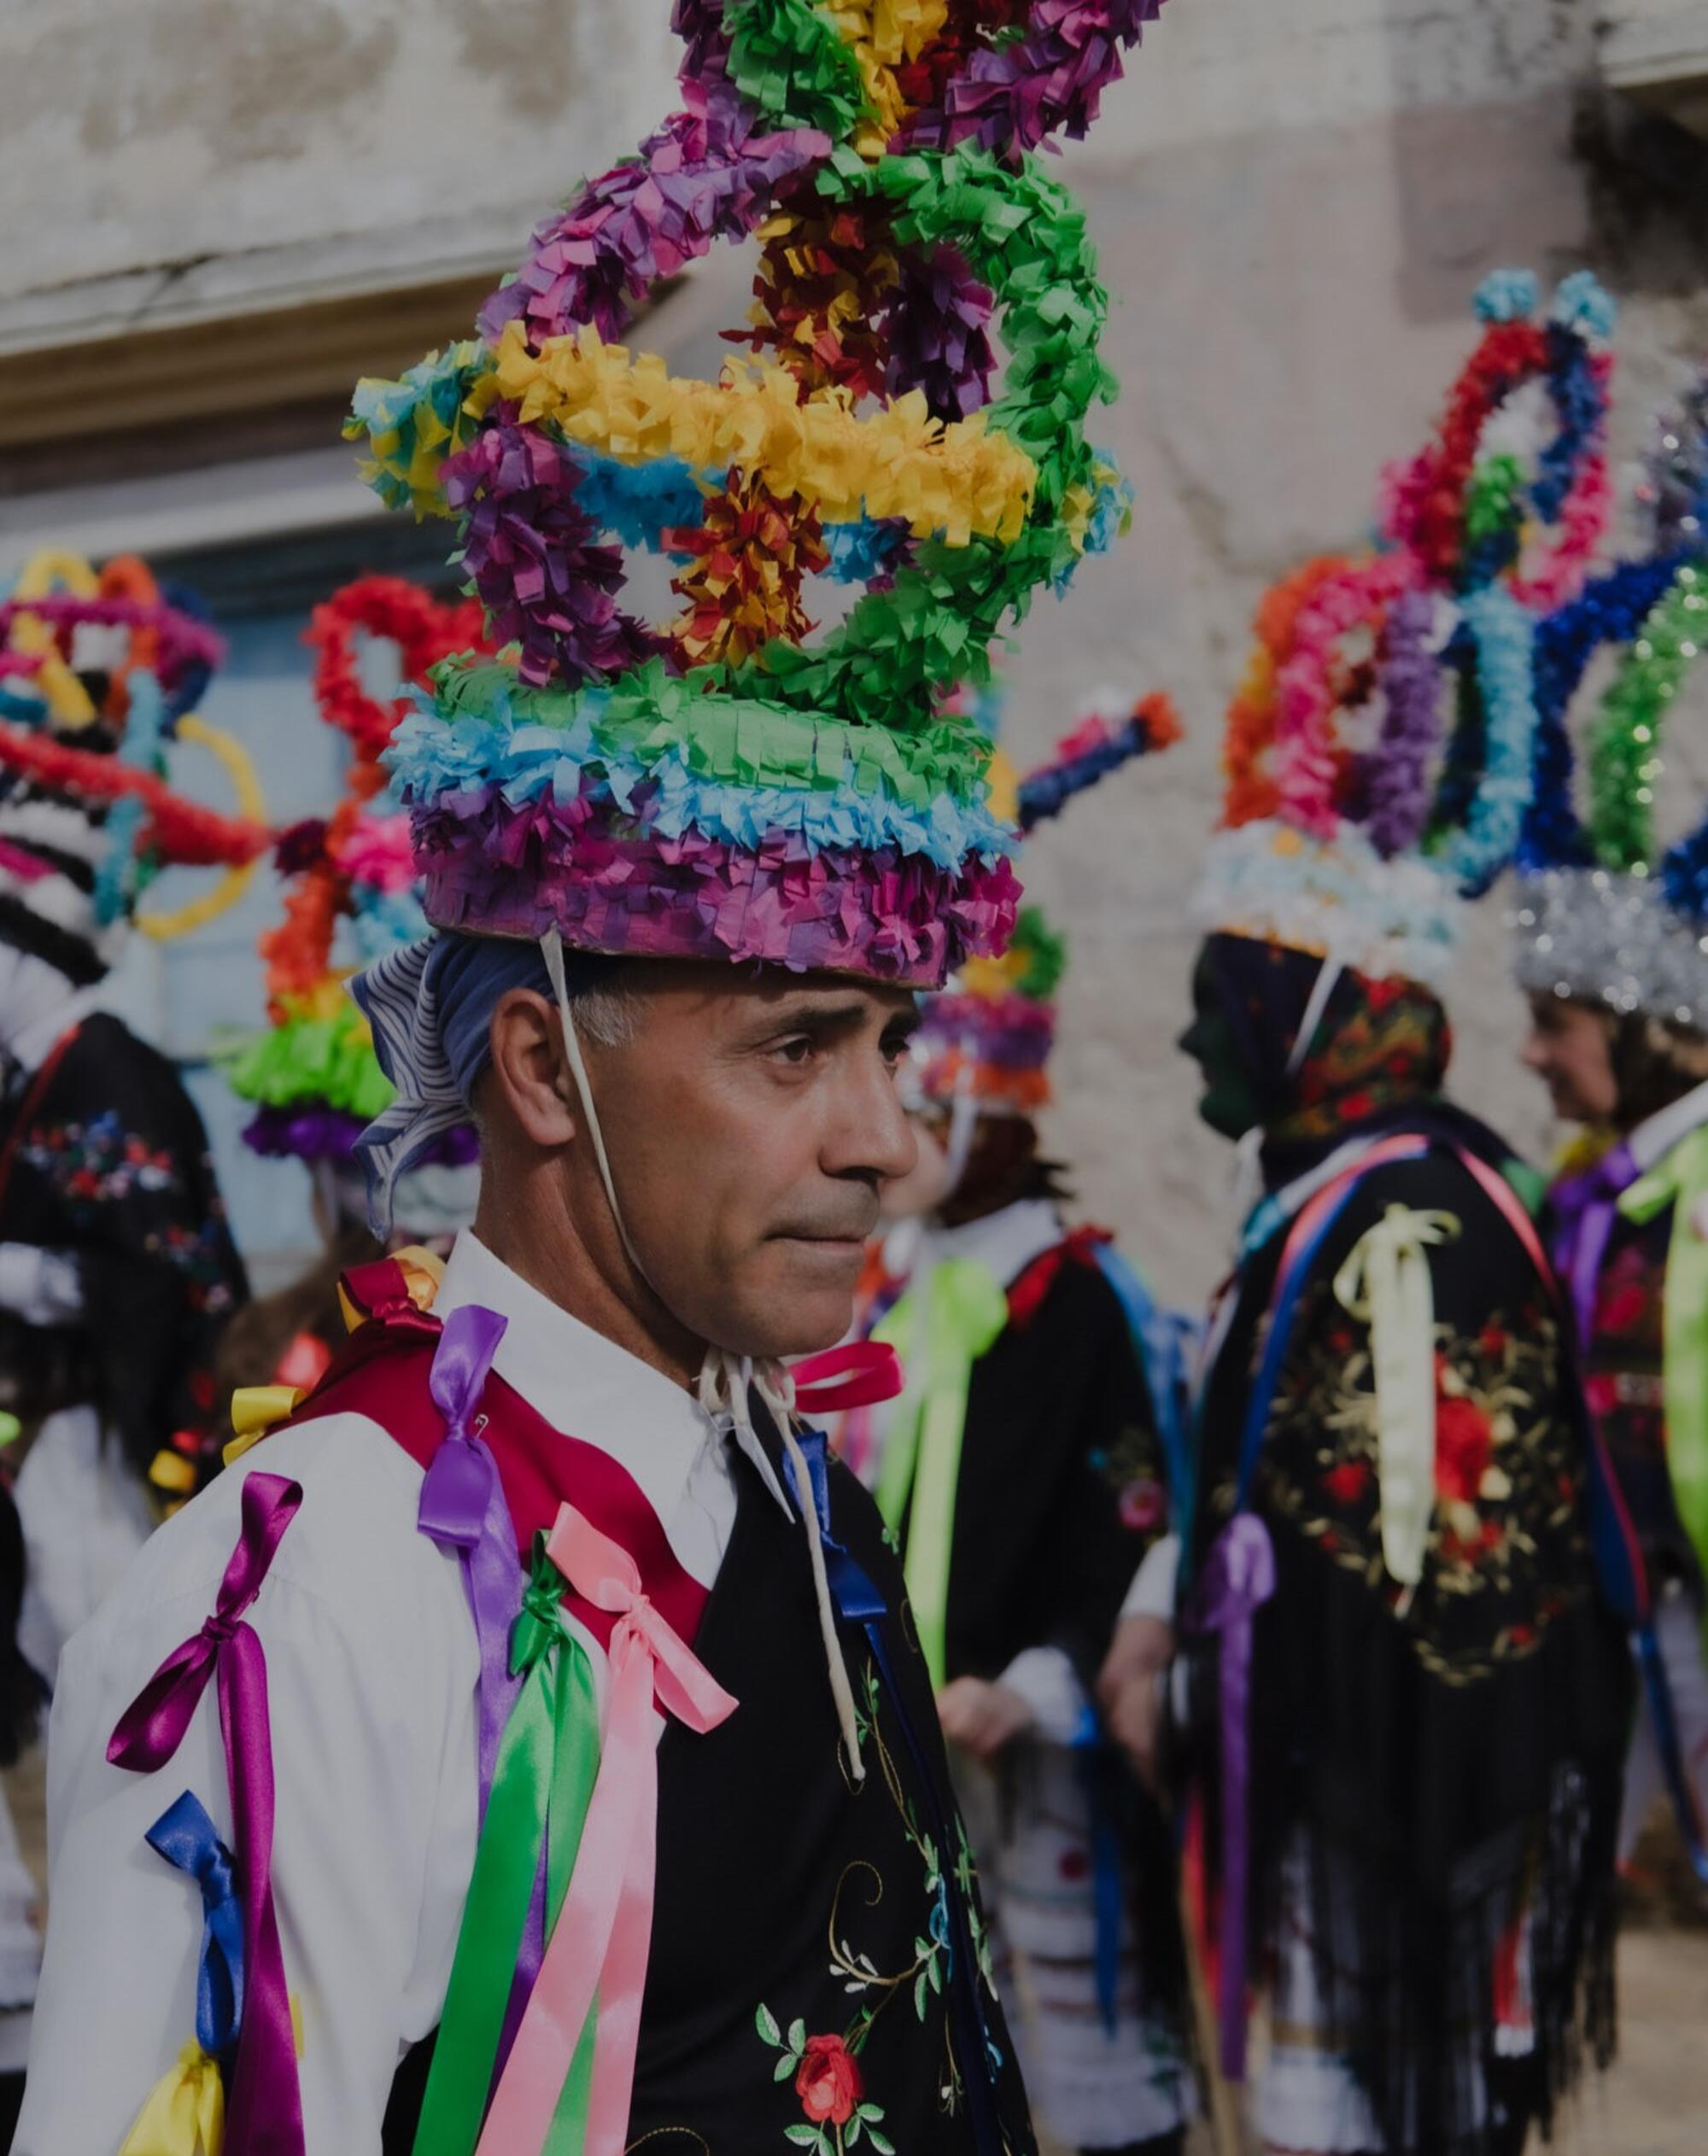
(877, 1137)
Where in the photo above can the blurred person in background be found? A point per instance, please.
(117, 1268)
(1405, 1685)
(1025, 1473)
(1609, 948)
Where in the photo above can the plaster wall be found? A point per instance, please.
(1294, 204)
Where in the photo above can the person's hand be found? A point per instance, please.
(1130, 1691)
(982, 1717)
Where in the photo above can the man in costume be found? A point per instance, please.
(1406, 1699)
(1024, 1472)
(659, 1847)
(117, 1270)
(1609, 948)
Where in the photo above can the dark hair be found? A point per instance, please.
(1003, 1167)
(1655, 1062)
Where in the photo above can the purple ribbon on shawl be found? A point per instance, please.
(1584, 1208)
(463, 1510)
(263, 2115)
(1238, 1579)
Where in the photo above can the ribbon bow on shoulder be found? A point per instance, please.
(265, 2105)
(946, 1324)
(1385, 1283)
(463, 1510)
(186, 2113)
(600, 1942)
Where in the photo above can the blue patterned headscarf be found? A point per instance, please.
(430, 1005)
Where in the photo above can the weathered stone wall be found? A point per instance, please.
(1294, 207)
(1294, 203)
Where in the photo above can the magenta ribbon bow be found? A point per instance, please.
(264, 2113)
(463, 1510)
(600, 1943)
(1585, 1206)
(862, 1373)
(1238, 1579)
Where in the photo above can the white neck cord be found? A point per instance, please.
(1248, 1174)
(724, 1377)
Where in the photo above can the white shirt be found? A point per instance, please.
(372, 1666)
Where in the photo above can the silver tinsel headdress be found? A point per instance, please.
(1605, 915)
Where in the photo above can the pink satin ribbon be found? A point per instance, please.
(862, 1373)
(604, 1933)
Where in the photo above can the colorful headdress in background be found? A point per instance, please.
(312, 1076)
(1379, 751)
(984, 1041)
(725, 787)
(100, 676)
(1606, 914)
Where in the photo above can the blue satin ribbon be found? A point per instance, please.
(185, 1836)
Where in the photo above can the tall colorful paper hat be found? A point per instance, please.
(100, 675)
(1377, 753)
(1606, 914)
(728, 787)
(350, 882)
(984, 1041)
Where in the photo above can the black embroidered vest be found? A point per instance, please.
(818, 1976)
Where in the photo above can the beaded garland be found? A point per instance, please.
(884, 157)
(1379, 750)
(100, 675)
(312, 1076)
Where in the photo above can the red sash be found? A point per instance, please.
(381, 1372)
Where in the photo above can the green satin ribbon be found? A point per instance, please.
(1680, 1180)
(542, 1783)
(939, 1327)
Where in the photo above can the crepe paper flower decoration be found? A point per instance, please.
(1382, 751)
(99, 673)
(1100, 744)
(750, 561)
(884, 158)
(987, 1037)
(312, 1074)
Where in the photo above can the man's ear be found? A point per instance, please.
(530, 1072)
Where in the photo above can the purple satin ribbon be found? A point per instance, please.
(463, 1509)
(1238, 1579)
(264, 2112)
(1585, 1206)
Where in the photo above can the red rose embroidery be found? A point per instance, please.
(1348, 1483)
(1622, 1311)
(1141, 1506)
(1463, 1447)
(828, 2083)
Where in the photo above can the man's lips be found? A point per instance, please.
(834, 1240)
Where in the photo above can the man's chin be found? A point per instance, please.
(809, 1299)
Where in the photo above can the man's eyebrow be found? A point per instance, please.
(823, 1019)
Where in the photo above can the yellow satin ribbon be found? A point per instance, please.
(255, 1409)
(186, 2114)
(1385, 1283)
(235, 761)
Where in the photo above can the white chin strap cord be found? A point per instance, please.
(724, 1378)
(1247, 1177)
